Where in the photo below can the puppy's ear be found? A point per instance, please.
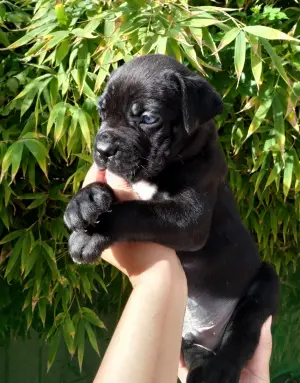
(200, 102)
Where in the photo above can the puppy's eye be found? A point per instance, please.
(149, 119)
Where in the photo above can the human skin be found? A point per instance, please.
(151, 324)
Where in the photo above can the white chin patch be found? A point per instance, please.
(145, 190)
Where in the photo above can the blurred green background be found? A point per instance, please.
(55, 57)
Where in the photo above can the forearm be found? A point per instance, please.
(146, 344)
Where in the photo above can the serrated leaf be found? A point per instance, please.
(39, 151)
(91, 336)
(288, 173)
(275, 59)
(54, 344)
(278, 122)
(268, 33)
(228, 38)
(239, 54)
(259, 116)
(92, 317)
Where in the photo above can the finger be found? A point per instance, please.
(94, 175)
(182, 370)
(122, 188)
(257, 369)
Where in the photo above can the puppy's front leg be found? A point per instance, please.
(182, 223)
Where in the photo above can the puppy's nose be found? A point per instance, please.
(106, 149)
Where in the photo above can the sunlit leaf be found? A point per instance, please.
(256, 61)
(278, 122)
(228, 38)
(259, 116)
(83, 60)
(239, 54)
(288, 173)
(275, 59)
(268, 33)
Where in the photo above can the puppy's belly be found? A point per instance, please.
(207, 322)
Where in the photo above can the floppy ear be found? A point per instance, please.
(200, 102)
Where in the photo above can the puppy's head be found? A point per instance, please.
(150, 109)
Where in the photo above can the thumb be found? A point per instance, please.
(123, 191)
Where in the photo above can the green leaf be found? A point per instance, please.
(200, 22)
(86, 286)
(39, 151)
(26, 247)
(69, 334)
(288, 173)
(161, 44)
(278, 122)
(262, 171)
(91, 336)
(59, 123)
(275, 59)
(42, 305)
(16, 158)
(36, 203)
(209, 42)
(84, 126)
(256, 62)
(80, 338)
(61, 14)
(30, 260)
(62, 51)
(92, 317)
(275, 173)
(54, 345)
(11, 236)
(4, 38)
(14, 256)
(268, 33)
(259, 116)
(239, 54)
(228, 37)
(83, 61)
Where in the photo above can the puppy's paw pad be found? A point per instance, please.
(85, 247)
(87, 205)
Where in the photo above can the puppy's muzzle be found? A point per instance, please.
(106, 145)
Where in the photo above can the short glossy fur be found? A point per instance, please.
(157, 129)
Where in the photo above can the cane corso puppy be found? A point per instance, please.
(157, 132)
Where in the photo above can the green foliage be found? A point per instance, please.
(54, 62)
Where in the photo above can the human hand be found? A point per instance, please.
(137, 260)
(257, 369)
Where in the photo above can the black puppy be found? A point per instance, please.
(157, 132)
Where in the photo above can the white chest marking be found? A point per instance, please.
(144, 189)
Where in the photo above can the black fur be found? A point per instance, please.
(231, 292)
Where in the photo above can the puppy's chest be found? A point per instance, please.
(147, 191)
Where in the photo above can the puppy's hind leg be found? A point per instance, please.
(242, 333)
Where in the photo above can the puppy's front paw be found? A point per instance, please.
(87, 205)
(85, 247)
